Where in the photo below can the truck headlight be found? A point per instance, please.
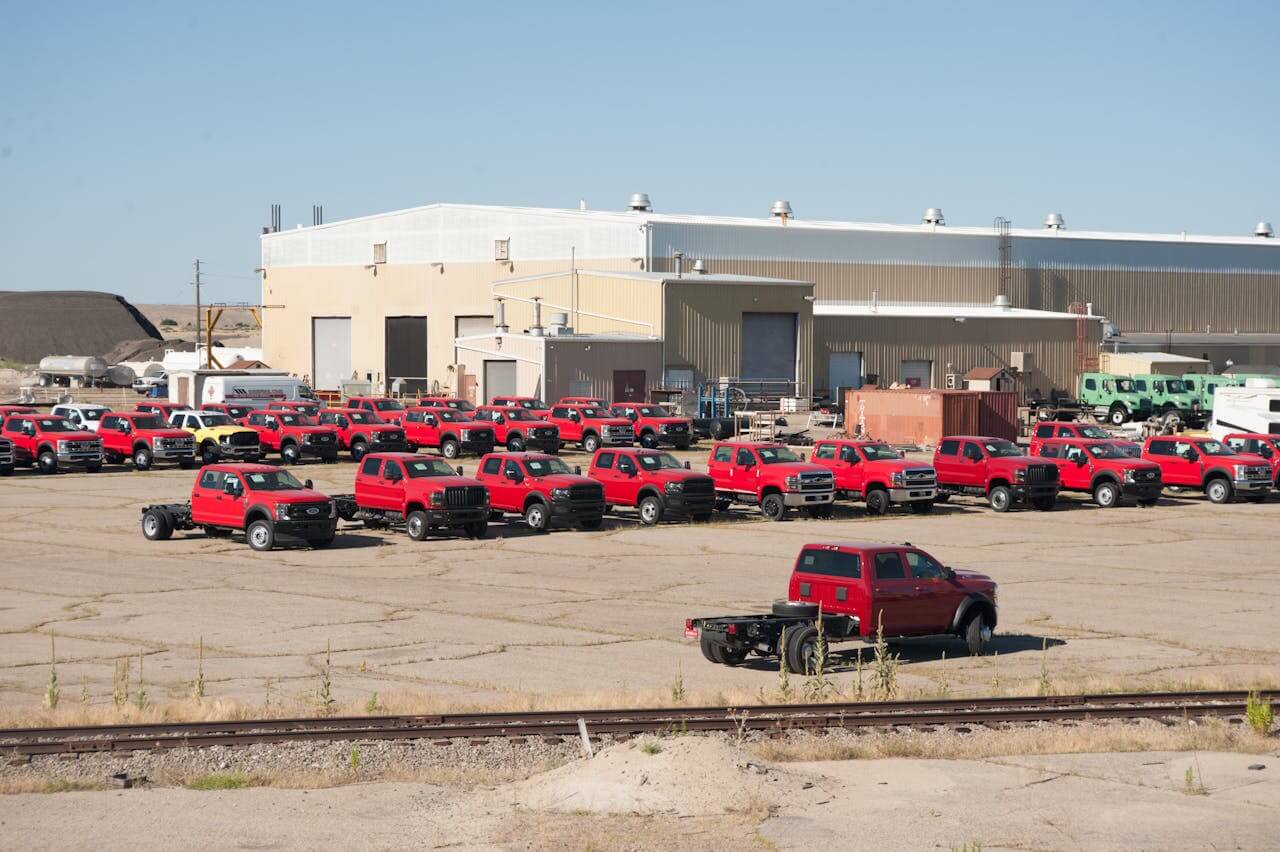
(437, 499)
(898, 479)
(333, 509)
(1242, 471)
(664, 427)
(1020, 474)
(63, 446)
(559, 493)
(465, 434)
(282, 511)
(1131, 476)
(793, 483)
(673, 487)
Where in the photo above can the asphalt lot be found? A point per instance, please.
(1184, 590)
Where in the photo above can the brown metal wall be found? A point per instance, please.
(571, 360)
(704, 325)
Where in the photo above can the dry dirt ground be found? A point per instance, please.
(1182, 591)
(236, 325)
(700, 793)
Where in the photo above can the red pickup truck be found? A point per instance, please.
(653, 482)
(996, 469)
(531, 404)
(387, 409)
(770, 476)
(362, 432)
(297, 406)
(293, 436)
(654, 426)
(457, 404)
(450, 431)
(51, 443)
(1258, 444)
(6, 455)
(1088, 431)
(591, 426)
(145, 439)
(861, 587)
(238, 413)
(1102, 469)
(519, 429)
(422, 492)
(164, 410)
(877, 474)
(542, 489)
(597, 401)
(1203, 464)
(263, 501)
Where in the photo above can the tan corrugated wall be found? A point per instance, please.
(570, 361)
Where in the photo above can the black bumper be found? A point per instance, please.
(668, 440)
(479, 448)
(575, 512)
(543, 445)
(1142, 491)
(388, 446)
(323, 528)
(320, 451)
(1030, 493)
(458, 517)
(701, 504)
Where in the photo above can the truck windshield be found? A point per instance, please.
(1215, 448)
(1175, 386)
(591, 412)
(276, 480)
(309, 410)
(448, 415)
(1124, 385)
(56, 425)
(388, 405)
(365, 417)
(1139, 384)
(211, 420)
(880, 452)
(1106, 451)
(148, 422)
(529, 403)
(777, 455)
(659, 461)
(545, 467)
(460, 405)
(238, 411)
(428, 467)
(1002, 449)
(1094, 433)
(1133, 451)
(290, 419)
(519, 414)
(651, 411)
(92, 414)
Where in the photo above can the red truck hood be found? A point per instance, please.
(302, 495)
(794, 468)
(675, 475)
(377, 427)
(311, 430)
(608, 421)
(428, 484)
(163, 433)
(1126, 464)
(1015, 462)
(670, 421)
(76, 435)
(563, 480)
(1251, 459)
(899, 464)
(975, 580)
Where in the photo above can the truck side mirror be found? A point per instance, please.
(577, 468)
(802, 457)
(687, 467)
(459, 470)
(1265, 451)
(1191, 455)
(308, 484)
(515, 476)
(1080, 460)
(230, 486)
(949, 572)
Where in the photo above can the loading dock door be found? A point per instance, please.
(845, 371)
(917, 374)
(406, 353)
(330, 352)
(628, 386)
(769, 346)
(499, 379)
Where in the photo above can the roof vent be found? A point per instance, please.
(1002, 302)
(1263, 229)
(640, 202)
(933, 216)
(1055, 222)
(699, 267)
(781, 210)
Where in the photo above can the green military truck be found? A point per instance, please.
(1114, 398)
(1203, 385)
(1169, 395)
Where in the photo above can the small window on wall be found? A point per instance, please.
(379, 252)
(502, 249)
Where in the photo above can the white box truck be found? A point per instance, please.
(1250, 409)
(255, 388)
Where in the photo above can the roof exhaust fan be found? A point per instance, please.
(1263, 229)
(1055, 222)
(933, 216)
(781, 210)
(640, 203)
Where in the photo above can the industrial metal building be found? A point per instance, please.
(396, 295)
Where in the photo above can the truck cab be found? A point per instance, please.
(294, 436)
(1114, 397)
(995, 469)
(876, 473)
(654, 482)
(1264, 446)
(423, 492)
(542, 489)
(217, 436)
(164, 410)
(1204, 464)
(770, 476)
(520, 429)
(388, 410)
(85, 417)
(591, 426)
(306, 408)
(1083, 431)
(1169, 395)
(1100, 468)
(532, 404)
(362, 432)
(146, 439)
(238, 412)
(448, 430)
(597, 401)
(654, 426)
(52, 443)
(456, 403)
(1204, 387)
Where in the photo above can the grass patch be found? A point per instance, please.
(219, 781)
(12, 786)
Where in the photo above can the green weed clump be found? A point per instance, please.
(219, 781)
(1259, 714)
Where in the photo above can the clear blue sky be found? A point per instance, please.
(136, 137)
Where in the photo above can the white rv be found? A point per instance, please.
(1255, 410)
(255, 388)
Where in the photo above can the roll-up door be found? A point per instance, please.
(330, 352)
(769, 346)
(499, 379)
(406, 357)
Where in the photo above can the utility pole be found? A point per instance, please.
(198, 320)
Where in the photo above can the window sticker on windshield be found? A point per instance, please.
(257, 478)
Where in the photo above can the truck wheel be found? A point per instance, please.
(260, 535)
(1218, 490)
(208, 454)
(802, 649)
(649, 441)
(477, 529)
(1119, 415)
(142, 459)
(773, 507)
(977, 634)
(877, 502)
(591, 443)
(450, 449)
(922, 507)
(651, 510)
(157, 525)
(416, 525)
(320, 541)
(537, 517)
(1106, 494)
(722, 505)
(47, 462)
(515, 444)
(713, 652)
(734, 657)
(795, 609)
(289, 454)
(358, 449)
(1000, 498)
(716, 429)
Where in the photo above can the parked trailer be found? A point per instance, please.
(255, 388)
(71, 371)
(1254, 410)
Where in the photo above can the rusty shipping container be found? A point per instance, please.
(998, 414)
(913, 416)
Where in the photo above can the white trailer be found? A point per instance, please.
(1255, 410)
(255, 388)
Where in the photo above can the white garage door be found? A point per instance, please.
(917, 374)
(470, 326)
(769, 346)
(845, 371)
(330, 352)
(499, 379)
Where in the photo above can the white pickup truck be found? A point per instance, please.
(83, 416)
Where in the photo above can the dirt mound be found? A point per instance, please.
(685, 776)
(67, 322)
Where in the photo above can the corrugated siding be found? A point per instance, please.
(704, 325)
(569, 361)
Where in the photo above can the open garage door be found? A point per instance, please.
(768, 346)
(499, 379)
(330, 352)
(406, 358)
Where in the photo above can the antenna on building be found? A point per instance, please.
(317, 214)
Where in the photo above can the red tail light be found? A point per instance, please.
(732, 629)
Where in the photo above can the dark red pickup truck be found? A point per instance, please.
(861, 588)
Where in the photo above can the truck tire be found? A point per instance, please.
(723, 505)
(1218, 490)
(795, 609)
(732, 657)
(290, 454)
(651, 510)
(358, 450)
(877, 502)
(716, 429)
(1000, 498)
(1106, 494)
(711, 650)
(922, 507)
(260, 535)
(157, 525)
(515, 444)
(773, 507)
(47, 462)
(450, 449)
(802, 649)
(591, 442)
(649, 441)
(495, 515)
(416, 525)
(1118, 415)
(208, 453)
(537, 516)
(977, 634)
(477, 529)
(142, 459)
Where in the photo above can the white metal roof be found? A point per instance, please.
(659, 277)
(940, 310)
(1163, 357)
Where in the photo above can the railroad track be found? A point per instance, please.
(555, 725)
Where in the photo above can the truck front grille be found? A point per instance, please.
(816, 482)
(388, 437)
(308, 511)
(463, 496)
(1147, 476)
(544, 432)
(920, 477)
(1258, 472)
(244, 439)
(1042, 473)
(701, 486)
(586, 496)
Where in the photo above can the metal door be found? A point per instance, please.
(330, 352)
(768, 346)
(628, 386)
(845, 371)
(499, 379)
(406, 353)
(917, 374)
